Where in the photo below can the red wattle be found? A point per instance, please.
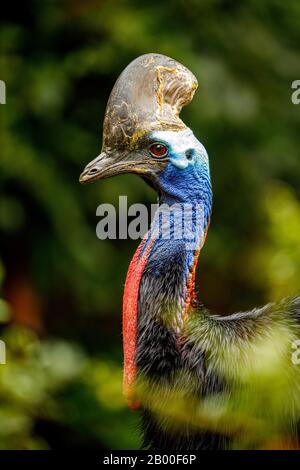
(130, 321)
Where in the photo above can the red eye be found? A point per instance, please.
(158, 150)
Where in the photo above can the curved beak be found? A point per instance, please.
(105, 166)
(101, 167)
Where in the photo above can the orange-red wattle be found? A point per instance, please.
(130, 321)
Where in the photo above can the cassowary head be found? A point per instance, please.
(143, 133)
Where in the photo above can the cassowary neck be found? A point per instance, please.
(159, 287)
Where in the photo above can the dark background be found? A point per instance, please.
(61, 287)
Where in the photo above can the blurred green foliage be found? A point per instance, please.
(61, 385)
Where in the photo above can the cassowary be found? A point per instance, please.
(202, 381)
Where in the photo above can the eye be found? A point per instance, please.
(158, 150)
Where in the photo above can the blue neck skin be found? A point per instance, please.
(185, 182)
(188, 186)
(185, 188)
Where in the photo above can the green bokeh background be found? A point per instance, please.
(61, 287)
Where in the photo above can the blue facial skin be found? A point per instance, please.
(184, 181)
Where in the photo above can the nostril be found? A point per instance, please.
(93, 170)
(189, 154)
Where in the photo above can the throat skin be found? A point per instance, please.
(160, 284)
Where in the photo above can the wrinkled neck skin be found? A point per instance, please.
(178, 231)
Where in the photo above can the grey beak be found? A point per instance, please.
(105, 166)
(98, 168)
